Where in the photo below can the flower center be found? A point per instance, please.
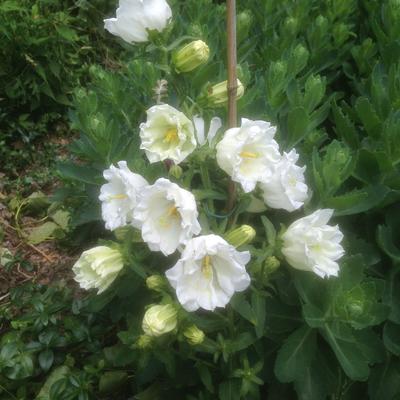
(117, 197)
(172, 212)
(206, 267)
(171, 135)
(248, 154)
(292, 181)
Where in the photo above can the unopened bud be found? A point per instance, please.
(194, 335)
(191, 56)
(244, 20)
(156, 283)
(218, 94)
(175, 171)
(241, 236)
(271, 265)
(159, 319)
(144, 342)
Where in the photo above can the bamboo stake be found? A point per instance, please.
(232, 83)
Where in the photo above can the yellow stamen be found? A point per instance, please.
(173, 212)
(248, 154)
(171, 135)
(206, 267)
(118, 197)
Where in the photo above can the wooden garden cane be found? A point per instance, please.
(232, 83)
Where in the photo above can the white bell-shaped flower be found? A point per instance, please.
(120, 195)
(167, 134)
(249, 153)
(135, 17)
(208, 273)
(97, 268)
(286, 189)
(167, 216)
(309, 244)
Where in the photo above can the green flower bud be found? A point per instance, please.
(156, 283)
(160, 319)
(194, 335)
(241, 236)
(341, 33)
(299, 59)
(291, 25)
(271, 265)
(144, 342)
(191, 56)
(175, 171)
(244, 20)
(218, 94)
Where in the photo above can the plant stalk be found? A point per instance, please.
(232, 83)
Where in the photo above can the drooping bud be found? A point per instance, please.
(194, 335)
(241, 236)
(144, 342)
(191, 56)
(218, 94)
(175, 171)
(156, 283)
(159, 319)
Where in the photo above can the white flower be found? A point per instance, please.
(159, 319)
(215, 125)
(135, 17)
(97, 268)
(309, 244)
(167, 134)
(167, 216)
(249, 153)
(120, 195)
(209, 272)
(285, 189)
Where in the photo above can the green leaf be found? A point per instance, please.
(112, 381)
(368, 116)
(229, 390)
(80, 173)
(384, 383)
(297, 126)
(43, 232)
(56, 375)
(358, 201)
(296, 354)
(46, 359)
(391, 337)
(243, 307)
(350, 357)
(61, 218)
(385, 239)
(205, 376)
(259, 306)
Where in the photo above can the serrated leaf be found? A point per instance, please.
(295, 355)
(297, 126)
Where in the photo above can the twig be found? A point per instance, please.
(48, 258)
(232, 84)
(4, 296)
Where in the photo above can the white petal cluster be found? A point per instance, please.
(167, 216)
(208, 273)
(135, 17)
(309, 244)
(97, 268)
(286, 189)
(159, 319)
(120, 195)
(167, 134)
(249, 153)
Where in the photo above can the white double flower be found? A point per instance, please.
(134, 18)
(167, 216)
(167, 134)
(309, 244)
(249, 153)
(208, 273)
(286, 188)
(120, 195)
